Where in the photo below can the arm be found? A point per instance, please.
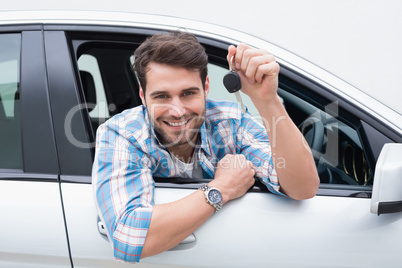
(124, 203)
(293, 160)
(171, 223)
(124, 193)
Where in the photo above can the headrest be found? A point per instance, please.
(2, 111)
(88, 85)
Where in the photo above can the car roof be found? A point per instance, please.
(349, 72)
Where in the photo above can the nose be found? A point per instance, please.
(176, 108)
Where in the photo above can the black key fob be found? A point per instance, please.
(232, 81)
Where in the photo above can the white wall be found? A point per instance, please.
(357, 40)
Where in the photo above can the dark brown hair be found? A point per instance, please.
(176, 48)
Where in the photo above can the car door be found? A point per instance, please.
(333, 229)
(32, 232)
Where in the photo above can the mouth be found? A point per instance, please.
(178, 124)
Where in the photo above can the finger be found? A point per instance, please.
(241, 158)
(229, 156)
(231, 52)
(249, 54)
(225, 162)
(267, 70)
(241, 48)
(251, 170)
(252, 174)
(254, 63)
(249, 164)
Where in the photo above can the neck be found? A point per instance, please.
(183, 152)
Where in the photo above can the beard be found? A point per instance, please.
(186, 136)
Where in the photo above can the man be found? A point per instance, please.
(178, 132)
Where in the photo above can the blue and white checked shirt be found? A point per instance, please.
(128, 156)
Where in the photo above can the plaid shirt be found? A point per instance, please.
(128, 155)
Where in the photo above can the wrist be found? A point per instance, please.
(270, 109)
(213, 196)
(225, 196)
(272, 100)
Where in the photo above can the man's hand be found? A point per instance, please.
(234, 176)
(258, 72)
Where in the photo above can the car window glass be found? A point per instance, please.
(10, 132)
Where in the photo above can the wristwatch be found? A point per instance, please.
(213, 196)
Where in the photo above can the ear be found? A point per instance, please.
(206, 87)
(142, 96)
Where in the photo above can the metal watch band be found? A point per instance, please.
(206, 188)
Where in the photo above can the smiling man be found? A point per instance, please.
(176, 106)
(179, 132)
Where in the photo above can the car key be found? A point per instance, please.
(232, 80)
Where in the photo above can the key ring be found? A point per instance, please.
(231, 63)
(232, 80)
(232, 83)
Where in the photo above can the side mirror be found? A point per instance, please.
(387, 187)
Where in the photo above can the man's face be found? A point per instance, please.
(175, 100)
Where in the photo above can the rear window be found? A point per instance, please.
(10, 129)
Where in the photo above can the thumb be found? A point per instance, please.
(231, 52)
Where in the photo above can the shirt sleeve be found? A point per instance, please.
(256, 146)
(124, 192)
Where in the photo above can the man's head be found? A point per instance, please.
(179, 49)
(172, 69)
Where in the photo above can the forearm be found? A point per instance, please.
(171, 223)
(292, 157)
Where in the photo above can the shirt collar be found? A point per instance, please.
(205, 132)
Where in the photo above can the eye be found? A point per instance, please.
(188, 93)
(160, 96)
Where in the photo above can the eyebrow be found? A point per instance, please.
(158, 93)
(167, 92)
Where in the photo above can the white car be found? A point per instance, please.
(64, 73)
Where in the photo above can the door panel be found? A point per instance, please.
(262, 228)
(32, 232)
(32, 226)
(253, 231)
(89, 248)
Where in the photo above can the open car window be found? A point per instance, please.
(342, 157)
(339, 152)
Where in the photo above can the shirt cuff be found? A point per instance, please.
(129, 236)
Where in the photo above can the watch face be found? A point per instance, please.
(214, 196)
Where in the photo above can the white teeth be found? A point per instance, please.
(177, 124)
